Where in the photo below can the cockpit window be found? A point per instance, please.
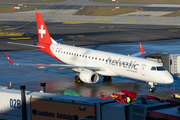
(153, 68)
(161, 68)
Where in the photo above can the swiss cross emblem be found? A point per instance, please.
(42, 31)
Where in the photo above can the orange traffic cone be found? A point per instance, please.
(10, 85)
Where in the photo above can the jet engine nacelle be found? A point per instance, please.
(89, 76)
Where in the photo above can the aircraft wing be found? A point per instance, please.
(59, 66)
(139, 53)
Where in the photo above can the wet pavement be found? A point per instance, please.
(59, 80)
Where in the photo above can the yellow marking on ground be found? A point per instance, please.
(73, 36)
(33, 19)
(80, 35)
(11, 33)
(74, 22)
(129, 20)
(174, 30)
(11, 28)
(21, 38)
(0, 30)
(6, 26)
(110, 26)
(98, 22)
(104, 19)
(32, 14)
(2, 16)
(47, 14)
(23, 19)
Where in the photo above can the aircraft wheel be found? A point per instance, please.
(152, 89)
(77, 79)
(107, 78)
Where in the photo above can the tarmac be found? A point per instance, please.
(119, 34)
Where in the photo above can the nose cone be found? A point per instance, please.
(168, 78)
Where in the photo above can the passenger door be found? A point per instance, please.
(143, 69)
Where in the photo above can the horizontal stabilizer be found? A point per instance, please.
(25, 44)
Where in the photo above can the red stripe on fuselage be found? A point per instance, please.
(47, 50)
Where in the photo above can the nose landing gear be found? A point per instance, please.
(152, 87)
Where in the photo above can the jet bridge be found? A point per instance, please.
(170, 61)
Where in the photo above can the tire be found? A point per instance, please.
(151, 89)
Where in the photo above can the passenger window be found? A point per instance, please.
(66, 52)
(153, 68)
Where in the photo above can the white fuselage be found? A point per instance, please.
(113, 64)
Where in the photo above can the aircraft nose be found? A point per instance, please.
(168, 79)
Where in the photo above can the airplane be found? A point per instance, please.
(88, 64)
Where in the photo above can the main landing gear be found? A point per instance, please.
(152, 87)
(107, 78)
(77, 79)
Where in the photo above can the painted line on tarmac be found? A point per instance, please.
(130, 20)
(6, 26)
(11, 33)
(73, 36)
(2, 16)
(11, 28)
(74, 22)
(174, 30)
(21, 38)
(105, 19)
(80, 22)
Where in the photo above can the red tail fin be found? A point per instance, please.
(43, 33)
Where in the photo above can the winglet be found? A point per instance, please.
(9, 58)
(141, 48)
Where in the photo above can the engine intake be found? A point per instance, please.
(89, 76)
